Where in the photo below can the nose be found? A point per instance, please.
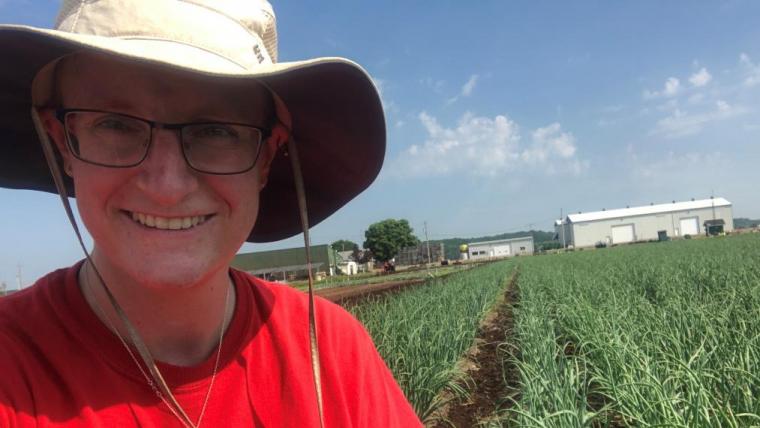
(165, 176)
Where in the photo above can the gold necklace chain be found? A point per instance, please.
(148, 379)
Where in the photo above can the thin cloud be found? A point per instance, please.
(484, 146)
(752, 70)
(469, 86)
(435, 84)
(700, 78)
(466, 90)
(616, 108)
(682, 124)
(696, 98)
(671, 88)
(674, 165)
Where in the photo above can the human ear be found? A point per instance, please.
(278, 138)
(57, 134)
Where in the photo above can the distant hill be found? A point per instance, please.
(451, 245)
(742, 223)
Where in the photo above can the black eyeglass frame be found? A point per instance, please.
(61, 114)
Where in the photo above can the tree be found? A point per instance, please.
(344, 245)
(362, 256)
(387, 237)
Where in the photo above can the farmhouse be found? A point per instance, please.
(287, 264)
(500, 248)
(645, 223)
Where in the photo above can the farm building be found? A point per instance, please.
(500, 248)
(287, 264)
(418, 254)
(346, 263)
(645, 223)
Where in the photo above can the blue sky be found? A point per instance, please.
(501, 114)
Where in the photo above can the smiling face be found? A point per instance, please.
(161, 223)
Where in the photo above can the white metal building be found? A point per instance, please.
(645, 223)
(500, 248)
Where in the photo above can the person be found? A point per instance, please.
(181, 137)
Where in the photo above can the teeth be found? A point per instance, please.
(161, 222)
(165, 223)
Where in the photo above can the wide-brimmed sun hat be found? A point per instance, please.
(332, 106)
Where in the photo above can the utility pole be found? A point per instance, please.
(427, 241)
(712, 200)
(562, 228)
(18, 277)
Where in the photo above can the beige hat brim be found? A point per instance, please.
(336, 113)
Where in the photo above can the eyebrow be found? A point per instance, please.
(117, 106)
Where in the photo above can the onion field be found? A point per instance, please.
(651, 335)
(663, 334)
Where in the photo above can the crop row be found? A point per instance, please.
(421, 333)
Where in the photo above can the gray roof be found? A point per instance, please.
(649, 209)
(346, 255)
(500, 241)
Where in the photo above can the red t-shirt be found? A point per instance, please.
(60, 366)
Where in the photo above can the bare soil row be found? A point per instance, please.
(347, 295)
(490, 379)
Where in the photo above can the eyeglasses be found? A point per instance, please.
(121, 141)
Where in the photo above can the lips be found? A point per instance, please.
(168, 223)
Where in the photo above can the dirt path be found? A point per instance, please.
(487, 385)
(348, 294)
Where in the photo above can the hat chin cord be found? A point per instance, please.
(137, 342)
(313, 344)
